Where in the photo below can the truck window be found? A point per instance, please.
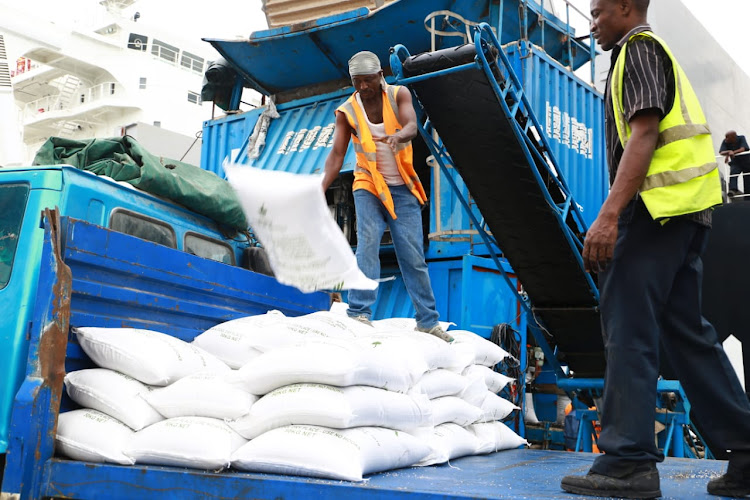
(12, 207)
(209, 248)
(143, 227)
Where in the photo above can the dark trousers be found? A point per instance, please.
(652, 289)
(734, 171)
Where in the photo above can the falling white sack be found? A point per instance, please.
(289, 215)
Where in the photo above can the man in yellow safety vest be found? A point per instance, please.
(646, 246)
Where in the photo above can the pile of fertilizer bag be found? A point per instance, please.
(319, 395)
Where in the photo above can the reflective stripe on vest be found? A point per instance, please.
(366, 174)
(683, 176)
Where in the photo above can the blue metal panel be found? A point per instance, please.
(451, 231)
(511, 474)
(298, 141)
(316, 52)
(222, 139)
(18, 297)
(571, 112)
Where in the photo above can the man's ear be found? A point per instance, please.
(625, 7)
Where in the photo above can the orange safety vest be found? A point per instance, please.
(366, 174)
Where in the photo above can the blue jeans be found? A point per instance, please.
(406, 230)
(652, 290)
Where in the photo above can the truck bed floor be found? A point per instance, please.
(512, 474)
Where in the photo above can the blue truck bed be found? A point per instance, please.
(99, 277)
(513, 474)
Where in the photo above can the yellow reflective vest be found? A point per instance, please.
(683, 176)
(366, 174)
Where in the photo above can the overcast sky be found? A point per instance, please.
(726, 20)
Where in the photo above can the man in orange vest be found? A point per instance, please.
(381, 122)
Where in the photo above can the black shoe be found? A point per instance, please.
(732, 484)
(639, 484)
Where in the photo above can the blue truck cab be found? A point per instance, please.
(25, 192)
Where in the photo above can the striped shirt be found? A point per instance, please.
(648, 84)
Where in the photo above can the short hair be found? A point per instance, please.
(641, 5)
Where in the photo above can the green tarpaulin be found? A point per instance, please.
(123, 159)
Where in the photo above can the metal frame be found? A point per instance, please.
(672, 419)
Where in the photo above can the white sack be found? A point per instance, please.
(231, 341)
(496, 408)
(435, 352)
(313, 451)
(289, 215)
(92, 436)
(341, 364)
(476, 390)
(334, 407)
(463, 355)
(495, 381)
(119, 396)
(195, 442)
(450, 409)
(438, 383)
(496, 436)
(485, 352)
(201, 395)
(152, 357)
(252, 335)
(339, 308)
(446, 442)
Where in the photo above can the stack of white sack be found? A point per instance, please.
(467, 410)
(382, 397)
(154, 399)
(332, 375)
(326, 383)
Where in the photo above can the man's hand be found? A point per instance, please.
(599, 245)
(391, 140)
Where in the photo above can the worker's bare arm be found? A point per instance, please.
(341, 136)
(601, 237)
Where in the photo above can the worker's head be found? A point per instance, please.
(611, 20)
(366, 73)
(731, 136)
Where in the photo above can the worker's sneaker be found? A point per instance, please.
(362, 319)
(734, 483)
(437, 331)
(642, 483)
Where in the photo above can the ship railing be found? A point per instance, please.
(743, 179)
(84, 97)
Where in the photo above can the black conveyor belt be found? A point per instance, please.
(480, 139)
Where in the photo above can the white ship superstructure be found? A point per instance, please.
(106, 74)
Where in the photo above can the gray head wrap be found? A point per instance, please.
(364, 63)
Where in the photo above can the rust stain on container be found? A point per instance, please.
(53, 341)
